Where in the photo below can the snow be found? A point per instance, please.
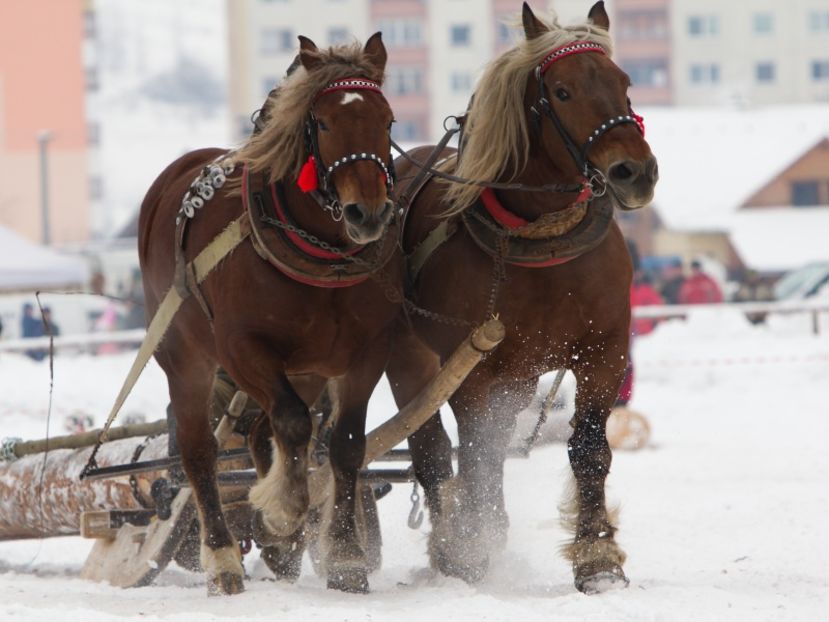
(722, 515)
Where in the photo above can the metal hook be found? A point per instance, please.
(416, 514)
(598, 183)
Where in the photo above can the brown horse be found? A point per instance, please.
(317, 309)
(552, 265)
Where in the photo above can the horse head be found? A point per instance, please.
(348, 136)
(593, 129)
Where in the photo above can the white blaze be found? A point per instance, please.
(351, 97)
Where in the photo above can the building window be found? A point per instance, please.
(703, 25)
(504, 34)
(404, 80)
(763, 23)
(401, 32)
(705, 73)
(268, 84)
(460, 82)
(89, 24)
(93, 134)
(764, 72)
(338, 35)
(819, 21)
(460, 35)
(647, 72)
(406, 130)
(96, 188)
(642, 24)
(805, 193)
(91, 77)
(275, 41)
(820, 70)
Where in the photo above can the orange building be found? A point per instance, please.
(42, 89)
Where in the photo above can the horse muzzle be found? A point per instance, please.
(633, 182)
(364, 225)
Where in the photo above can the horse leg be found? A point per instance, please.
(281, 497)
(190, 388)
(411, 366)
(342, 548)
(597, 559)
(474, 521)
(282, 555)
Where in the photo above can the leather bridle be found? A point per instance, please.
(543, 106)
(326, 193)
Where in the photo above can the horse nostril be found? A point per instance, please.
(355, 213)
(621, 172)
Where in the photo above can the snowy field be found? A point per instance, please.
(723, 516)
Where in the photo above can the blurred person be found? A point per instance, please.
(699, 288)
(643, 293)
(50, 327)
(672, 280)
(31, 327)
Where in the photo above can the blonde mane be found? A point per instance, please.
(496, 136)
(280, 146)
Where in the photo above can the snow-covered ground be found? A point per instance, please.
(723, 516)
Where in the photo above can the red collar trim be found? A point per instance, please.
(303, 245)
(506, 218)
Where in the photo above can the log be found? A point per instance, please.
(397, 429)
(41, 495)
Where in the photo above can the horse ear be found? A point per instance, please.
(308, 53)
(532, 25)
(599, 16)
(375, 51)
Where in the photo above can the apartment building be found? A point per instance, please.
(437, 50)
(42, 84)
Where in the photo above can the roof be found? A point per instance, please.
(25, 265)
(711, 160)
(776, 239)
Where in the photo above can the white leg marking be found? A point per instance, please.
(282, 508)
(226, 559)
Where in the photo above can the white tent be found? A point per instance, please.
(28, 266)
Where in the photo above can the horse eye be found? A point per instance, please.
(322, 125)
(562, 94)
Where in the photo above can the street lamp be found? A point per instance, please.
(43, 138)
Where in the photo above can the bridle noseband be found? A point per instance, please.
(326, 193)
(579, 153)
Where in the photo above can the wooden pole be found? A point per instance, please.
(87, 439)
(397, 429)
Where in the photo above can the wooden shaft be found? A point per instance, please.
(87, 439)
(417, 412)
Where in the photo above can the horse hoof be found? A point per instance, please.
(285, 565)
(351, 580)
(603, 581)
(226, 583)
(471, 572)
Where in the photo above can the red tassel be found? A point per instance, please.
(307, 180)
(640, 121)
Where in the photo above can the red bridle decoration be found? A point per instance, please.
(307, 180)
